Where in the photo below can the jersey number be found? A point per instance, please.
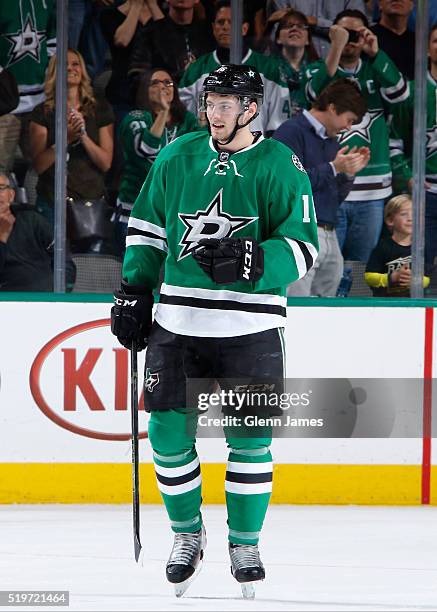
(306, 208)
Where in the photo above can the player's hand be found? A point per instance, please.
(338, 36)
(371, 46)
(228, 260)
(131, 317)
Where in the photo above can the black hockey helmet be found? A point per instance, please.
(236, 80)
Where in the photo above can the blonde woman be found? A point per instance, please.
(90, 137)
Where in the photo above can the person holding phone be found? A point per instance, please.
(360, 216)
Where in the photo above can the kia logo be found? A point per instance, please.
(81, 382)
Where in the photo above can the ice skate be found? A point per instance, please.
(246, 567)
(185, 559)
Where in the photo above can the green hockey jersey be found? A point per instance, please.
(194, 191)
(401, 139)
(27, 40)
(382, 85)
(275, 109)
(140, 149)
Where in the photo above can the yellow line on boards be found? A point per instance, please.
(111, 483)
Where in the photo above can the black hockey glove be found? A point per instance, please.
(228, 260)
(131, 317)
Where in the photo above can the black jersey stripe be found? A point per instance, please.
(178, 480)
(222, 304)
(309, 262)
(134, 231)
(249, 478)
(368, 186)
(398, 93)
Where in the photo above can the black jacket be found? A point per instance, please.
(171, 46)
(9, 96)
(26, 259)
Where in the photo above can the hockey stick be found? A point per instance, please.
(135, 453)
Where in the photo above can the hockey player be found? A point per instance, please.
(231, 216)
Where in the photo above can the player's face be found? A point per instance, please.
(161, 86)
(432, 47)
(7, 194)
(402, 221)
(222, 112)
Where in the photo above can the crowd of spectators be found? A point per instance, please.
(134, 72)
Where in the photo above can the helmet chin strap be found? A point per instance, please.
(218, 143)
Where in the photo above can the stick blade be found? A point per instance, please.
(137, 548)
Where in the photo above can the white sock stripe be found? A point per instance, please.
(250, 452)
(173, 472)
(248, 488)
(186, 524)
(179, 489)
(250, 468)
(244, 535)
(171, 458)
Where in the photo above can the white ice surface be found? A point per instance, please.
(316, 558)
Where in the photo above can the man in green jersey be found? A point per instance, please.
(27, 41)
(355, 53)
(276, 108)
(231, 215)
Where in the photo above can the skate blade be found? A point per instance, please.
(180, 589)
(248, 590)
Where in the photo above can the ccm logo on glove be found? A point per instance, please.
(247, 259)
(122, 302)
(228, 260)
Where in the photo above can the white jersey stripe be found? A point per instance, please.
(202, 322)
(145, 226)
(298, 257)
(373, 178)
(235, 296)
(146, 241)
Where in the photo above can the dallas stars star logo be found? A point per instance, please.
(361, 129)
(26, 42)
(209, 223)
(431, 142)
